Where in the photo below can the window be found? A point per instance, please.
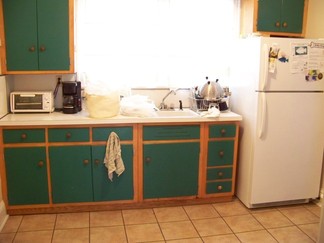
(154, 43)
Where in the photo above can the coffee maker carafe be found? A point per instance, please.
(71, 97)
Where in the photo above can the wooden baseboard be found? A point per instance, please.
(87, 207)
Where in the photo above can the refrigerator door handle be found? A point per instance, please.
(263, 106)
(264, 80)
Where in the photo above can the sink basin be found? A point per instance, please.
(176, 113)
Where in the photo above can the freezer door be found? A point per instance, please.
(288, 148)
(297, 64)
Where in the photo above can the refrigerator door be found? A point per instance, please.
(3, 97)
(298, 64)
(288, 147)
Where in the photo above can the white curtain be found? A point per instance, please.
(154, 43)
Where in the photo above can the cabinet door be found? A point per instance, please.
(26, 173)
(280, 15)
(170, 170)
(53, 34)
(20, 22)
(71, 174)
(37, 34)
(121, 188)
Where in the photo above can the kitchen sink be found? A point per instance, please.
(186, 113)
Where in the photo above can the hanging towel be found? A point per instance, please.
(113, 160)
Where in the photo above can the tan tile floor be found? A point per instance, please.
(217, 222)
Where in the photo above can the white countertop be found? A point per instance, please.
(82, 118)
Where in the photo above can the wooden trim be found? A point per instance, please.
(3, 67)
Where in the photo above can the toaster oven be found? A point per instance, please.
(38, 101)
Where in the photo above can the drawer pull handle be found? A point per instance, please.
(23, 136)
(221, 153)
(285, 25)
(97, 161)
(220, 174)
(148, 160)
(68, 135)
(223, 132)
(219, 188)
(86, 162)
(40, 164)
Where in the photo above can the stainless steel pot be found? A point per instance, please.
(212, 90)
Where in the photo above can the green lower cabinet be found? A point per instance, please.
(121, 187)
(71, 174)
(170, 170)
(26, 172)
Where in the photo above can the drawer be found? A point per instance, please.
(220, 153)
(68, 135)
(219, 187)
(222, 131)
(171, 132)
(102, 133)
(219, 173)
(23, 135)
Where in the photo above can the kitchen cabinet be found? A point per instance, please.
(25, 166)
(38, 36)
(60, 167)
(26, 171)
(221, 158)
(121, 187)
(274, 17)
(78, 173)
(170, 169)
(71, 173)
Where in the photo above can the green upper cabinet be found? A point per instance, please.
(37, 35)
(280, 16)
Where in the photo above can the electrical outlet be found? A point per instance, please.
(59, 78)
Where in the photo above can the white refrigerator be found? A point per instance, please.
(277, 86)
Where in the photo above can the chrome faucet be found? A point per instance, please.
(163, 106)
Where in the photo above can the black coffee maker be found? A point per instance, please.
(71, 97)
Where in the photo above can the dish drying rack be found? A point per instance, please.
(200, 104)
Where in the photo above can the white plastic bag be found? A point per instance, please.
(138, 106)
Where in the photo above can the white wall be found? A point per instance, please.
(315, 29)
(315, 21)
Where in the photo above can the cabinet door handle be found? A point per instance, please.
(277, 24)
(219, 188)
(68, 135)
(97, 161)
(40, 164)
(42, 48)
(23, 136)
(284, 24)
(223, 132)
(31, 49)
(148, 160)
(221, 153)
(86, 162)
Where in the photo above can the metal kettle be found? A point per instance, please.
(212, 90)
